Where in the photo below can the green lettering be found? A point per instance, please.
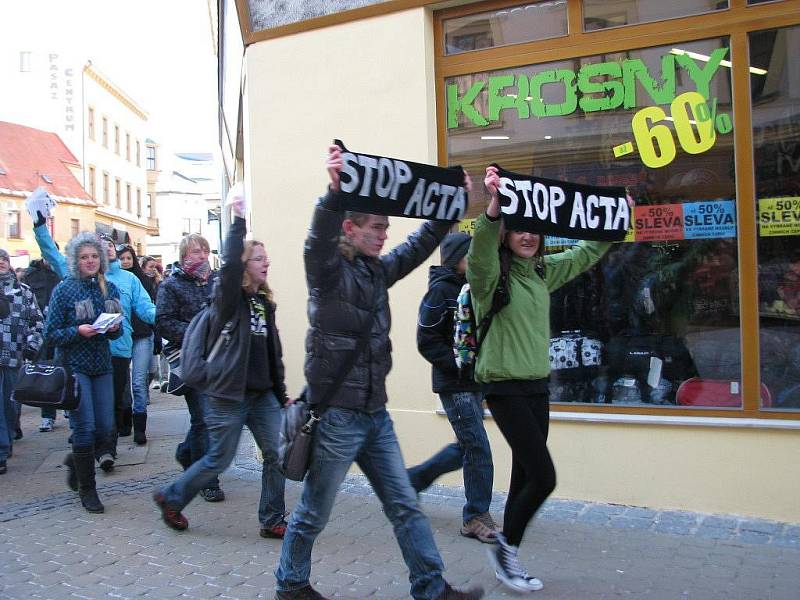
(702, 75)
(456, 105)
(612, 92)
(661, 91)
(498, 102)
(567, 79)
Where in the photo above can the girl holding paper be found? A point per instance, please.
(76, 302)
(513, 363)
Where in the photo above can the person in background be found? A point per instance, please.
(461, 397)
(250, 393)
(180, 297)
(151, 270)
(76, 302)
(142, 348)
(43, 280)
(348, 287)
(134, 300)
(513, 363)
(20, 339)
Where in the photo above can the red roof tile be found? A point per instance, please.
(26, 154)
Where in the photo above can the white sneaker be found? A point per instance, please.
(507, 569)
(47, 425)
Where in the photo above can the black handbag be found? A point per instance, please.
(47, 384)
(175, 384)
(301, 418)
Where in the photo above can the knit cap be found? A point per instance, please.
(453, 248)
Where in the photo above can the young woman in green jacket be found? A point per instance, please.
(513, 364)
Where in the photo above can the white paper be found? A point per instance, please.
(235, 194)
(654, 376)
(105, 321)
(40, 201)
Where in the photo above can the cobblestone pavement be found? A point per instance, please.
(51, 548)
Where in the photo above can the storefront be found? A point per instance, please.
(676, 360)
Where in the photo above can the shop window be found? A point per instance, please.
(656, 322)
(602, 14)
(776, 144)
(505, 26)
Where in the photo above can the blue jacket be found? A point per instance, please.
(132, 295)
(90, 356)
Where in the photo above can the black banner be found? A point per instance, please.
(388, 186)
(552, 207)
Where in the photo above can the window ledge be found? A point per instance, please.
(667, 420)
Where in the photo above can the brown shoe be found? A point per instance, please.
(276, 531)
(482, 528)
(173, 518)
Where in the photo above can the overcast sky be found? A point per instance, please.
(159, 52)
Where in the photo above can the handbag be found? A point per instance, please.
(175, 384)
(47, 384)
(301, 418)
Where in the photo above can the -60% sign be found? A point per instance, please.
(696, 126)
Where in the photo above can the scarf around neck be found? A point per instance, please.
(199, 269)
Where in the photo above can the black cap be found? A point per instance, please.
(453, 248)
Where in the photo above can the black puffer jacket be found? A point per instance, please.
(42, 280)
(180, 297)
(342, 293)
(435, 331)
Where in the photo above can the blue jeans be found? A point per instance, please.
(195, 445)
(344, 436)
(261, 413)
(8, 411)
(472, 453)
(92, 423)
(142, 354)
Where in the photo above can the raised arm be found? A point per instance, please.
(228, 289)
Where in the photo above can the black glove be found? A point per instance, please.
(40, 220)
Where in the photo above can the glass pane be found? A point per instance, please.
(505, 26)
(602, 14)
(761, 1)
(656, 322)
(775, 89)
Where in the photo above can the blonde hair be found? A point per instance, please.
(247, 283)
(190, 240)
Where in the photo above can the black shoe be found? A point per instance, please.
(212, 494)
(106, 462)
(72, 476)
(139, 428)
(18, 434)
(304, 593)
(3, 467)
(450, 593)
(182, 457)
(84, 469)
(91, 501)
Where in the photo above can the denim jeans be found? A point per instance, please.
(342, 437)
(8, 411)
(195, 445)
(261, 412)
(140, 361)
(92, 423)
(472, 453)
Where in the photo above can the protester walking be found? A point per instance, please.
(151, 270)
(20, 339)
(252, 390)
(461, 397)
(513, 362)
(42, 280)
(141, 348)
(348, 300)
(180, 297)
(76, 302)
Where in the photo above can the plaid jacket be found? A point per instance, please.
(22, 328)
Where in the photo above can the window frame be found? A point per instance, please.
(736, 23)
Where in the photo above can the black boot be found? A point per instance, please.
(126, 420)
(84, 468)
(139, 428)
(72, 476)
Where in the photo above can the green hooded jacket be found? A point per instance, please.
(518, 341)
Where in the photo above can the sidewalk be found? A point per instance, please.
(51, 548)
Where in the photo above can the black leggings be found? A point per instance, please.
(524, 422)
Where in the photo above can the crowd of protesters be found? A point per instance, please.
(48, 310)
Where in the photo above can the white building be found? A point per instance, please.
(188, 201)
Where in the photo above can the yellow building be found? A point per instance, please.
(31, 158)
(693, 106)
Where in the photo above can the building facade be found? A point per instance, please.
(689, 392)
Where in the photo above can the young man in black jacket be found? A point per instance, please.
(349, 293)
(460, 395)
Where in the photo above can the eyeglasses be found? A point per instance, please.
(259, 259)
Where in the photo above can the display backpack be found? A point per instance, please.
(467, 332)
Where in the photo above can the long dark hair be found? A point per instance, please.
(136, 268)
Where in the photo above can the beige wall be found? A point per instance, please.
(299, 96)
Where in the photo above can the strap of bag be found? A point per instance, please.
(319, 407)
(500, 299)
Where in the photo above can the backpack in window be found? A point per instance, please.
(467, 334)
